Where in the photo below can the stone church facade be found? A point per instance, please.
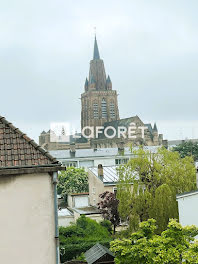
(99, 102)
(99, 108)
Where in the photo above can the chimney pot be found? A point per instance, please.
(121, 148)
(72, 149)
(100, 172)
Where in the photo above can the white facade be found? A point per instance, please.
(78, 200)
(188, 213)
(65, 217)
(27, 225)
(88, 158)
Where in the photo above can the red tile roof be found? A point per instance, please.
(18, 150)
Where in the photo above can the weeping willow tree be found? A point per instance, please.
(148, 185)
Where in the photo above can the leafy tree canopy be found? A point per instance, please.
(187, 148)
(173, 246)
(73, 180)
(148, 185)
(109, 208)
(78, 238)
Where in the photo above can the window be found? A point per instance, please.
(104, 108)
(112, 110)
(121, 161)
(93, 190)
(70, 163)
(95, 110)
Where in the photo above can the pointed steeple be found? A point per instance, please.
(96, 55)
(108, 79)
(97, 75)
(155, 127)
(92, 83)
(109, 83)
(86, 84)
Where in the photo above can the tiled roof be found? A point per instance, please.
(18, 150)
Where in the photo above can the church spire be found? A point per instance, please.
(96, 55)
(155, 127)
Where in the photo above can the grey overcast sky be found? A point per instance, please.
(150, 51)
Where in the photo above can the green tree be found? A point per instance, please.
(173, 246)
(73, 180)
(78, 238)
(187, 148)
(148, 185)
(108, 207)
(107, 224)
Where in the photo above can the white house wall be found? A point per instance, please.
(104, 162)
(27, 219)
(65, 220)
(86, 163)
(81, 201)
(188, 213)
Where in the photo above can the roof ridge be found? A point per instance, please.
(28, 140)
(105, 249)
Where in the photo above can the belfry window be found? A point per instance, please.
(104, 108)
(95, 110)
(112, 110)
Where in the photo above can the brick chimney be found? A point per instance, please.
(100, 172)
(72, 149)
(121, 148)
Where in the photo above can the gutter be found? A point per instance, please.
(30, 169)
(32, 166)
(55, 180)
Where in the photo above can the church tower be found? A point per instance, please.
(98, 102)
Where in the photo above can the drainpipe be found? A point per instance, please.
(55, 180)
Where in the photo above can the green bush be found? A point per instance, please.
(78, 238)
(107, 224)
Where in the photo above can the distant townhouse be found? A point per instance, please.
(93, 157)
(101, 179)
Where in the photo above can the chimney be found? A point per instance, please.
(100, 172)
(72, 149)
(121, 148)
